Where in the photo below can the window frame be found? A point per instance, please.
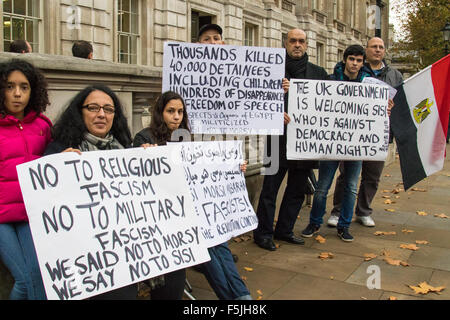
(254, 34)
(36, 28)
(132, 55)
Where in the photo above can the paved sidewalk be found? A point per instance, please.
(295, 272)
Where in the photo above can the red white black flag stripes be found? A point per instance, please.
(419, 121)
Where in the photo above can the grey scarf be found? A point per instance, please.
(93, 143)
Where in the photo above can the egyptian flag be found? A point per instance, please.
(419, 121)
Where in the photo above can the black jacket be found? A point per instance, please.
(143, 136)
(313, 72)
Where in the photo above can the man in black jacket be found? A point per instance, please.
(297, 67)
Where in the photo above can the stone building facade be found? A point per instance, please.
(133, 31)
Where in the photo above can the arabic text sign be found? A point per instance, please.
(107, 219)
(334, 120)
(227, 89)
(218, 188)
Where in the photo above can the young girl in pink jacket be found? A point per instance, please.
(24, 135)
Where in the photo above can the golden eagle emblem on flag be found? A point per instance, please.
(422, 110)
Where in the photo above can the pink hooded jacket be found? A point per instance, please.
(20, 141)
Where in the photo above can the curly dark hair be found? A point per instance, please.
(158, 127)
(70, 127)
(38, 84)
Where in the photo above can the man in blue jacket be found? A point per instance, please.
(371, 170)
(350, 69)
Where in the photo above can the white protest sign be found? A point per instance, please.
(335, 120)
(392, 90)
(218, 188)
(107, 219)
(227, 89)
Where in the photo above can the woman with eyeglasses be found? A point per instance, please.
(94, 120)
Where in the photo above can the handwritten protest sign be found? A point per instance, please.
(107, 219)
(334, 120)
(227, 89)
(372, 80)
(218, 188)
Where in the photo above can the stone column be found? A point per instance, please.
(170, 24)
(272, 25)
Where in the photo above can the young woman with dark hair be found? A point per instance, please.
(168, 115)
(24, 135)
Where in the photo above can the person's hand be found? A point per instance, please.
(287, 119)
(285, 84)
(148, 145)
(391, 104)
(243, 166)
(72, 150)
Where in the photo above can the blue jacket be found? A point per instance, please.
(338, 73)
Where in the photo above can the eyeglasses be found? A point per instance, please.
(93, 107)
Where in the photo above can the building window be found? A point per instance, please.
(21, 20)
(250, 34)
(320, 54)
(198, 19)
(283, 40)
(340, 55)
(128, 30)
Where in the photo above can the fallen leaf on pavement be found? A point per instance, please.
(259, 292)
(326, 255)
(248, 269)
(441, 215)
(424, 288)
(389, 210)
(407, 231)
(387, 175)
(244, 278)
(320, 239)
(385, 253)
(237, 240)
(419, 189)
(421, 213)
(388, 201)
(331, 277)
(411, 246)
(369, 256)
(387, 191)
(422, 242)
(397, 197)
(396, 262)
(397, 190)
(259, 298)
(386, 197)
(392, 298)
(384, 233)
